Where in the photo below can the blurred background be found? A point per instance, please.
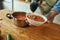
(22, 5)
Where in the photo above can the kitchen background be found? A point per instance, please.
(23, 5)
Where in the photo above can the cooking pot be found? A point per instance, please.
(19, 18)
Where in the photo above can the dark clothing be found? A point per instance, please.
(1, 0)
(1, 4)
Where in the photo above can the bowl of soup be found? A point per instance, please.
(35, 19)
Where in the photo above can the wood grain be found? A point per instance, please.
(47, 31)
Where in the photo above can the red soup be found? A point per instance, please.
(36, 18)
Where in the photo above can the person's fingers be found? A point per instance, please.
(40, 2)
(29, 24)
(48, 21)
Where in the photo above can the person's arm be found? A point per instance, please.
(52, 14)
(55, 10)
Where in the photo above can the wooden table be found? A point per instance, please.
(47, 31)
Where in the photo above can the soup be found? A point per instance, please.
(36, 18)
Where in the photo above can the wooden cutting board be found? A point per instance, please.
(48, 31)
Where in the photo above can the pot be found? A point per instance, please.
(19, 18)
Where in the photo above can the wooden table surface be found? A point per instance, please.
(47, 31)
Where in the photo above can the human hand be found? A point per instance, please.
(39, 3)
(51, 16)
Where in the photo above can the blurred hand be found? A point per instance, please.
(51, 16)
(39, 3)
